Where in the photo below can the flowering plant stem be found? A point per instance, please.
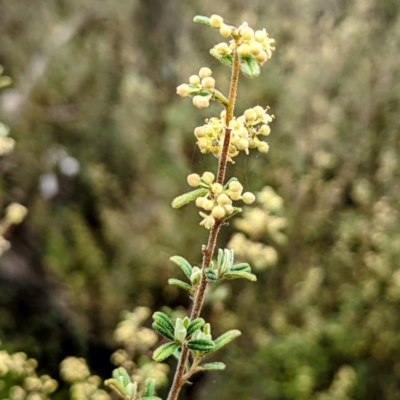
(208, 251)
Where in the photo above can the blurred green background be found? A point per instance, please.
(104, 144)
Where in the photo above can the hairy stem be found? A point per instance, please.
(208, 251)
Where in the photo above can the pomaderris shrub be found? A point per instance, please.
(225, 136)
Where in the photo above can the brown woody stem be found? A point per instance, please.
(208, 252)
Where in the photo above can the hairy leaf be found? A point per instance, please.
(161, 329)
(249, 67)
(149, 387)
(164, 351)
(240, 274)
(163, 319)
(181, 284)
(245, 267)
(188, 197)
(227, 59)
(202, 20)
(202, 345)
(194, 326)
(214, 366)
(183, 264)
(225, 338)
(210, 274)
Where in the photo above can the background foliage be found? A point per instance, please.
(104, 144)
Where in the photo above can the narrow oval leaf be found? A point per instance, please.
(164, 351)
(202, 20)
(188, 197)
(203, 345)
(214, 366)
(226, 338)
(210, 274)
(194, 326)
(245, 267)
(121, 375)
(240, 274)
(183, 264)
(161, 329)
(163, 319)
(227, 59)
(181, 284)
(117, 386)
(249, 67)
(149, 387)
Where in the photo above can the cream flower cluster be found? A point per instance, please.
(250, 43)
(202, 86)
(219, 198)
(245, 132)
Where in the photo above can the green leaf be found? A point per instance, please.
(151, 398)
(183, 264)
(249, 67)
(121, 375)
(149, 387)
(203, 345)
(194, 326)
(214, 366)
(210, 274)
(240, 274)
(163, 319)
(164, 351)
(117, 386)
(188, 197)
(227, 59)
(202, 20)
(163, 330)
(245, 267)
(181, 284)
(226, 338)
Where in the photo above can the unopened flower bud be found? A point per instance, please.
(225, 31)
(223, 114)
(194, 180)
(265, 130)
(235, 186)
(247, 33)
(223, 199)
(183, 90)
(15, 213)
(223, 49)
(259, 111)
(263, 147)
(216, 21)
(209, 222)
(201, 101)
(208, 177)
(244, 50)
(253, 143)
(248, 197)
(208, 205)
(194, 80)
(205, 72)
(250, 115)
(217, 188)
(261, 57)
(200, 201)
(255, 48)
(235, 195)
(180, 331)
(208, 83)
(199, 132)
(260, 36)
(228, 209)
(218, 212)
(242, 144)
